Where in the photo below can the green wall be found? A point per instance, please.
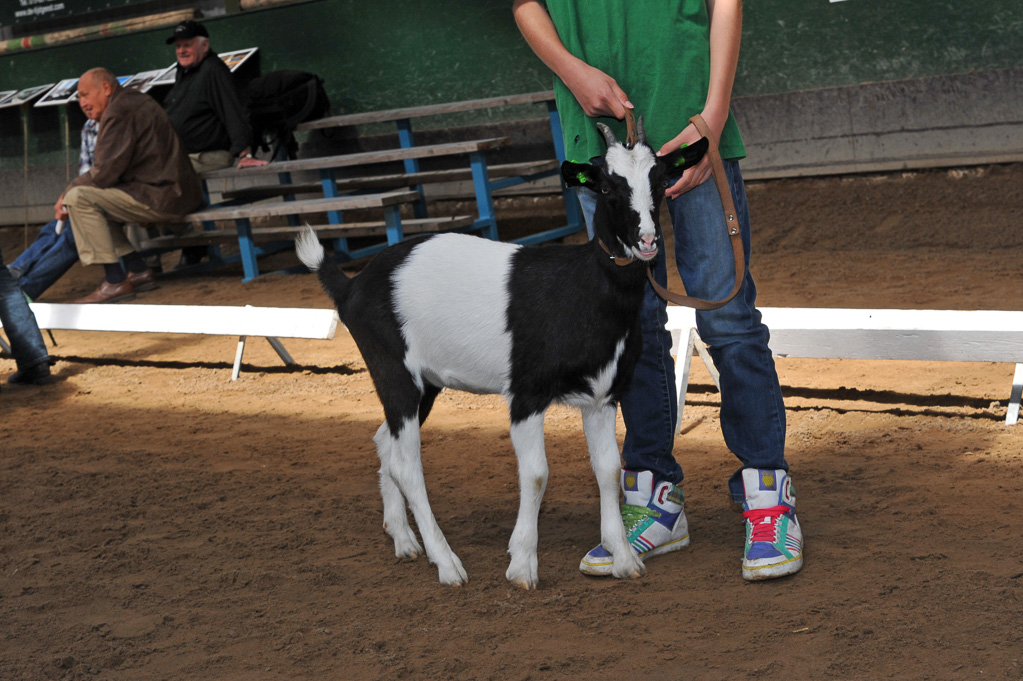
(376, 55)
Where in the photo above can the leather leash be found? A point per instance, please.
(731, 223)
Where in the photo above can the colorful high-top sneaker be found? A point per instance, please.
(774, 541)
(655, 522)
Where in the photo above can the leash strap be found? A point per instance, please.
(632, 133)
(731, 224)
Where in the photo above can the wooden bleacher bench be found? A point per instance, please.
(403, 117)
(333, 204)
(392, 226)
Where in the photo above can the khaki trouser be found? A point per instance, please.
(203, 162)
(98, 216)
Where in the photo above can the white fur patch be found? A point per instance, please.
(600, 385)
(451, 296)
(634, 165)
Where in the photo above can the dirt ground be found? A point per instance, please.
(159, 521)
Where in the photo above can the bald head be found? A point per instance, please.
(101, 75)
(95, 88)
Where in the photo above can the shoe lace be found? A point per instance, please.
(634, 515)
(761, 521)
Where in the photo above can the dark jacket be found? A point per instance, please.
(139, 152)
(206, 110)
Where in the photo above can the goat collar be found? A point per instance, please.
(619, 260)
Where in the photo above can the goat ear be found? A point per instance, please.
(580, 174)
(685, 157)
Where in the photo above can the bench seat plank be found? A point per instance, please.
(344, 230)
(427, 110)
(360, 158)
(282, 208)
(393, 180)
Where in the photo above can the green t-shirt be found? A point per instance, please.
(659, 53)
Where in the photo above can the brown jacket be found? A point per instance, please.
(138, 152)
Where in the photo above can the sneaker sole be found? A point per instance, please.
(600, 567)
(759, 573)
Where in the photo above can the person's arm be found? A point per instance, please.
(597, 92)
(725, 36)
(224, 98)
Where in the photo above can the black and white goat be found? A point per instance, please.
(537, 324)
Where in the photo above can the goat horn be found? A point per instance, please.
(641, 132)
(609, 136)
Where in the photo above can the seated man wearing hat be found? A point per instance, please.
(206, 110)
(204, 105)
(140, 173)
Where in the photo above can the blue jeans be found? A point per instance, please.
(19, 323)
(46, 259)
(752, 412)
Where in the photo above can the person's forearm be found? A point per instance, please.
(597, 92)
(725, 35)
(541, 35)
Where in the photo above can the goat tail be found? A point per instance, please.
(311, 253)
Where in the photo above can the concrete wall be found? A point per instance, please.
(967, 119)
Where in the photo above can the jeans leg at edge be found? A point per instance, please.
(752, 410)
(19, 323)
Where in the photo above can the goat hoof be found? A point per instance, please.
(454, 574)
(526, 584)
(458, 581)
(630, 572)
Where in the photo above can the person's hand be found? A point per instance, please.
(701, 172)
(597, 92)
(59, 211)
(250, 162)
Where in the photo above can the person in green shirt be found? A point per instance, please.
(669, 60)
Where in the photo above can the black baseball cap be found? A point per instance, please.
(188, 29)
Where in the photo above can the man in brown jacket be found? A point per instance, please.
(141, 173)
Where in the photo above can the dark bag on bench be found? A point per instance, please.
(280, 100)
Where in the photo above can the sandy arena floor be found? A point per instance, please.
(158, 521)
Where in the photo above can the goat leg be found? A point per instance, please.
(599, 426)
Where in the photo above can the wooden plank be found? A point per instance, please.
(914, 335)
(287, 232)
(219, 320)
(281, 208)
(427, 110)
(361, 158)
(392, 180)
(928, 335)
